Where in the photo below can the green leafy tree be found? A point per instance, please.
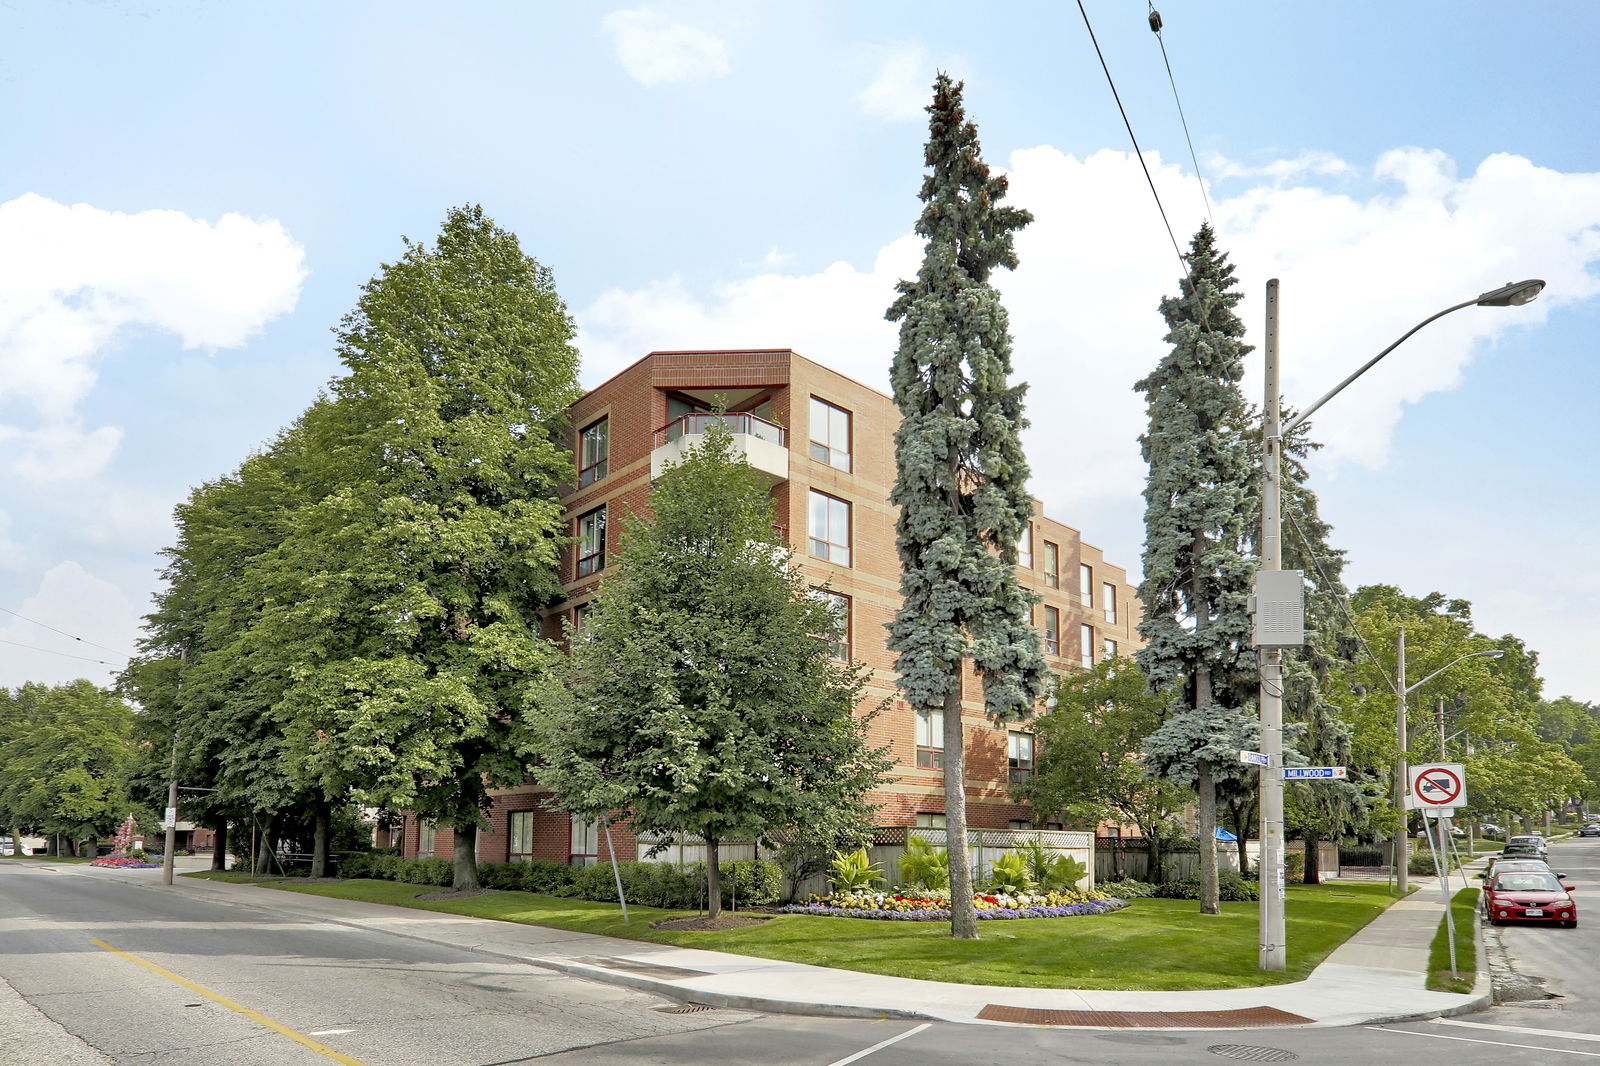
(700, 695)
(961, 483)
(405, 598)
(1197, 568)
(1090, 762)
(65, 750)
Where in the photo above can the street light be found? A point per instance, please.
(1273, 947)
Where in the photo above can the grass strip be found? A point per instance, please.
(1154, 944)
(1464, 908)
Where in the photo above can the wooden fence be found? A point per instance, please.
(1120, 857)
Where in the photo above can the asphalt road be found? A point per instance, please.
(244, 986)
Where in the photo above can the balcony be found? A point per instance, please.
(762, 444)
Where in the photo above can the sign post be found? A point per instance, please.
(1439, 788)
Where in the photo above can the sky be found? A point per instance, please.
(192, 194)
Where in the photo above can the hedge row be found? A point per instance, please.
(748, 882)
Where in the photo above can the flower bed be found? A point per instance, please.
(124, 863)
(991, 907)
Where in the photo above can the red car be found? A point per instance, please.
(1528, 895)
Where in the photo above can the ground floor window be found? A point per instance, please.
(927, 820)
(426, 831)
(585, 843)
(520, 829)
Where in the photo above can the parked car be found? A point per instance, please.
(1528, 895)
(1532, 843)
(1490, 829)
(1500, 864)
(1590, 830)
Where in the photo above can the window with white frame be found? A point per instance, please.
(585, 848)
(1019, 756)
(1025, 547)
(929, 820)
(1052, 564)
(1052, 631)
(1086, 645)
(830, 434)
(519, 827)
(594, 452)
(592, 541)
(1086, 584)
(1108, 650)
(838, 638)
(930, 740)
(1108, 600)
(829, 528)
(426, 834)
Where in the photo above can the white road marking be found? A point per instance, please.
(1525, 1030)
(880, 1045)
(1495, 1043)
(330, 1032)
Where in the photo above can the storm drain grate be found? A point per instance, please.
(684, 1008)
(1251, 1053)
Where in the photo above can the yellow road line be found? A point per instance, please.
(256, 1016)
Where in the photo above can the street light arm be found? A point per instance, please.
(1470, 655)
(1368, 365)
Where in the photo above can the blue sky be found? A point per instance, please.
(191, 194)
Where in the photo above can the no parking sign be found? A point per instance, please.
(1440, 786)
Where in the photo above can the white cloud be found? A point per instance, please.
(72, 600)
(656, 51)
(1280, 171)
(76, 277)
(901, 88)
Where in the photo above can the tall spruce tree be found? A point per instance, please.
(961, 482)
(1198, 570)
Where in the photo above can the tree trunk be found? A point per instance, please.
(16, 841)
(1313, 871)
(1240, 845)
(1207, 788)
(713, 879)
(319, 839)
(465, 871)
(219, 854)
(266, 846)
(963, 915)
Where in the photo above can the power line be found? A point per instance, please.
(64, 654)
(1155, 25)
(64, 633)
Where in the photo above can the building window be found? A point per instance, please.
(1086, 645)
(830, 528)
(1052, 631)
(426, 832)
(830, 434)
(580, 618)
(1019, 823)
(594, 450)
(1108, 649)
(1108, 600)
(930, 740)
(1086, 584)
(1052, 564)
(1019, 755)
(520, 830)
(585, 843)
(592, 541)
(928, 820)
(1025, 547)
(838, 639)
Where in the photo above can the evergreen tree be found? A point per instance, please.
(1198, 570)
(961, 484)
(701, 696)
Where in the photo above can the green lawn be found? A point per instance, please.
(1154, 944)
(1464, 908)
(51, 858)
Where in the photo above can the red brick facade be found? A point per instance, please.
(778, 386)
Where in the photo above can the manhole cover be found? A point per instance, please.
(684, 1008)
(1251, 1053)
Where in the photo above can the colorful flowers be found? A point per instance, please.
(886, 906)
(125, 863)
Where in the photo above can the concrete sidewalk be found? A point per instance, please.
(1379, 975)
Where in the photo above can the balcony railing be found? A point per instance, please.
(736, 421)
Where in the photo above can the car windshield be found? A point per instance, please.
(1527, 881)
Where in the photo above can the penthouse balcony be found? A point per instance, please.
(765, 446)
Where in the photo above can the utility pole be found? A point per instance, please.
(169, 860)
(1273, 948)
(1402, 836)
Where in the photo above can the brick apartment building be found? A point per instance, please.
(825, 442)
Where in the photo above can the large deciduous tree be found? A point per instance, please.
(961, 482)
(1197, 568)
(701, 696)
(65, 751)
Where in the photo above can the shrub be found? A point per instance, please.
(1230, 888)
(923, 866)
(751, 883)
(1009, 874)
(853, 871)
(502, 875)
(1052, 871)
(1294, 865)
(1422, 863)
(1127, 889)
(545, 875)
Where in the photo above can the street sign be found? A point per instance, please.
(1313, 773)
(1439, 785)
(171, 820)
(1254, 757)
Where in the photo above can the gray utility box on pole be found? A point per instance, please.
(1279, 607)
